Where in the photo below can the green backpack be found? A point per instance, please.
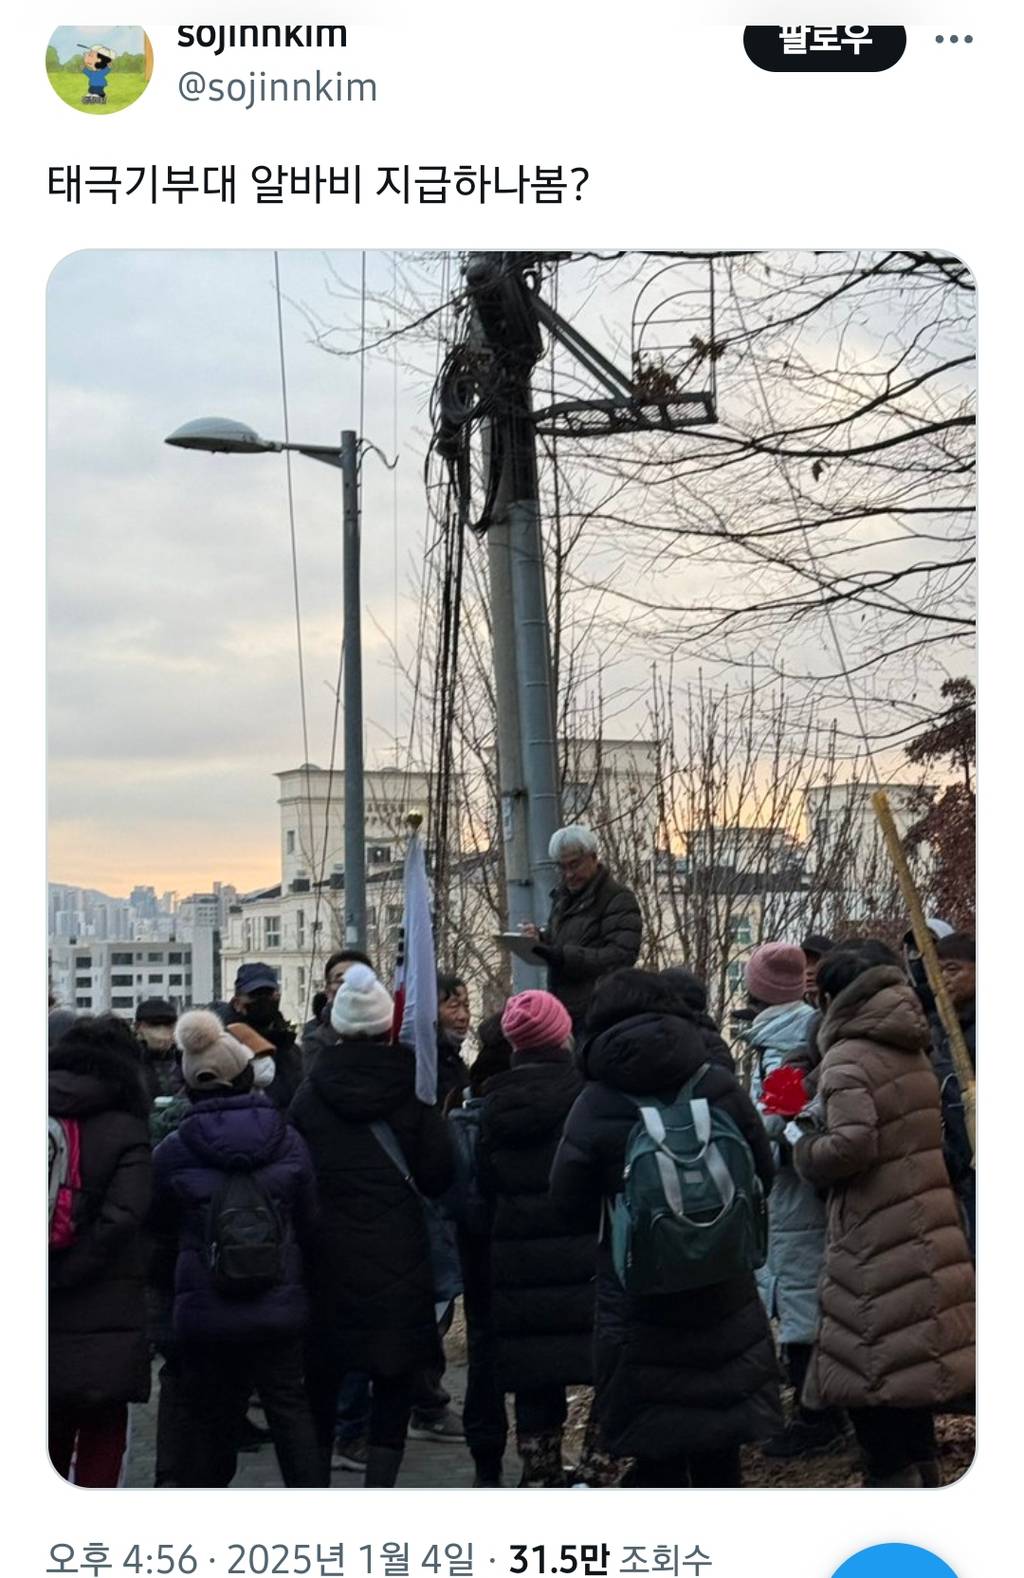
(692, 1210)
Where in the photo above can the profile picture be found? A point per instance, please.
(99, 70)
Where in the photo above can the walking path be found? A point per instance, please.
(427, 1464)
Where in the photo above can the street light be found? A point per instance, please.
(221, 435)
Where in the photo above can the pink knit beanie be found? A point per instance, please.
(535, 1019)
(775, 973)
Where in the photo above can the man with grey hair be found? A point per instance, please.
(594, 925)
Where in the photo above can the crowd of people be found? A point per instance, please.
(261, 1214)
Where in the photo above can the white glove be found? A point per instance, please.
(793, 1132)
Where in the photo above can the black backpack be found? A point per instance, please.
(246, 1235)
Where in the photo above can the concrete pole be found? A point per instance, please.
(352, 698)
(537, 735)
(512, 787)
(505, 323)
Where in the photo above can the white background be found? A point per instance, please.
(688, 146)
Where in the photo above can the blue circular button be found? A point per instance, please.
(894, 1561)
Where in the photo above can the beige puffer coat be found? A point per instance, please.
(897, 1291)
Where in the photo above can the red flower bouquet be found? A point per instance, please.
(784, 1093)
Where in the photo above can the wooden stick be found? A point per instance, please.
(926, 947)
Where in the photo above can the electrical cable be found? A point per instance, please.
(294, 547)
(341, 664)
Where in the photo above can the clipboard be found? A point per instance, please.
(522, 947)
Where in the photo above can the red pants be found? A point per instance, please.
(94, 1438)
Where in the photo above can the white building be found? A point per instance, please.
(295, 925)
(312, 799)
(844, 833)
(196, 919)
(199, 909)
(112, 975)
(746, 849)
(611, 782)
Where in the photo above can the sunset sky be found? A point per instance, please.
(173, 692)
(172, 676)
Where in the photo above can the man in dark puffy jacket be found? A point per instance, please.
(957, 963)
(483, 1415)
(257, 1003)
(98, 1350)
(433, 1418)
(154, 1031)
(542, 1267)
(318, 1032)
(594, 926)
(372, 1278)
(234, 1339)
(682, 1379)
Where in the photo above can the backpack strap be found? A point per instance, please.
(721, 1176)
(700, 1111)
(717, 1169)
(387, 1139)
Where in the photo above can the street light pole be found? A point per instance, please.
(219, 435)
(352, 691)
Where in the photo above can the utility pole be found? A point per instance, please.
(514, 831)
(490, 383)
(527, 746)
(352, 692)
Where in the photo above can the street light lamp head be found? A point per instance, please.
(220, 435)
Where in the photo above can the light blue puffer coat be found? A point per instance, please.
(788, 1281)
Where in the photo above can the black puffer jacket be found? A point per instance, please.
(693, 1372)
(99, 1352)
(372, 1284)
(288, 1061)
(317, 1035)
(590, 934)
(452, 1069)
(542, 1270)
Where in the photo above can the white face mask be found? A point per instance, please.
(262, 1072)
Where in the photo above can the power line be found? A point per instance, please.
(319, 880)
(294, 554)
(394, 510)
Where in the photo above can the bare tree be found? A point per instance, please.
(799, 571)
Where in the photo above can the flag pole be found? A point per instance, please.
(926, 947)
(419, 1008)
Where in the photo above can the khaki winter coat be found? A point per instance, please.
(897, 1290)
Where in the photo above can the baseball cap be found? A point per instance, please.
(255, 978)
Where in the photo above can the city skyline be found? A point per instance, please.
(173, 677)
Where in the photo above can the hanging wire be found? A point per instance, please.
(294, 554)
(332, 762)
(291, 518)
(394, 512)
(444, 337)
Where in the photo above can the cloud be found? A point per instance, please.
(172, 666)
